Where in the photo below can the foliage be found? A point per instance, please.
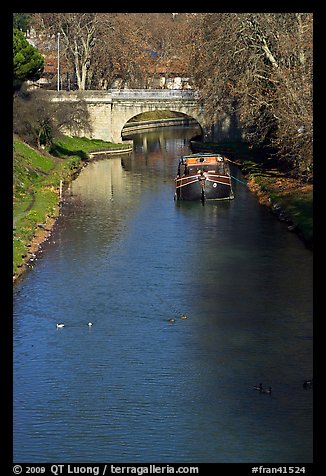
(102, 48)
(28, 63)
(259, 65)
(37, 177)
(255, 67)
(21, 21)
(38, 121)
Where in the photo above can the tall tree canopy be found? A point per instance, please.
(28, 63)
(255, 66)
(21, 21)
(261, 65)
(102, 47)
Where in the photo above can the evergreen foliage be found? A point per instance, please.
(21, 21)
(28, 63)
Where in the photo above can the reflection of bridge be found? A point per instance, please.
(110, 110)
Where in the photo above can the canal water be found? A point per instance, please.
(134, 387)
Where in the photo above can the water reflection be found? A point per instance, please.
(135, 388)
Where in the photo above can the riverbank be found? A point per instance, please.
(131, 127)
(122, 261)
(287, 197)
(39, 177)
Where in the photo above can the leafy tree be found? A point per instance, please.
(21, 21)
(28, 63)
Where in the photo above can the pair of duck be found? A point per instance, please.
(306, 384)
(59, 326)
(263, 390)
(172, 321)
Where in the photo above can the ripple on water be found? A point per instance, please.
(135, 388)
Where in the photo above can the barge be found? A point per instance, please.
(203, 177)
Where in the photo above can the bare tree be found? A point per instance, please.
(121, 54)
(38, 121)
(77, 37)
(102, 47)
(259, 64)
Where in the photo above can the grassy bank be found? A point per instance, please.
(81, 147)
(36, 184)
(288, 197)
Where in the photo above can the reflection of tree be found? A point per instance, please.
(162, 149)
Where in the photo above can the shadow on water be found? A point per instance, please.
(136, 387)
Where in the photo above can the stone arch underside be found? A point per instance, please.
(108, 119)
(171, 120)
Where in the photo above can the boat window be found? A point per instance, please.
(221, 168)
(208, 168)
(198, 168)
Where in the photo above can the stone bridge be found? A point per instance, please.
(110, 110)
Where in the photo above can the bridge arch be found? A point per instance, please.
(146, 120)
(110, 110)
(122, 112)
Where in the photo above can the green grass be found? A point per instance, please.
(31, 209)
(299, 205)
(36, 180)
(29, 167)
(32, 158)
(80, 146)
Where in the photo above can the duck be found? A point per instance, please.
(259, 387)
(172, 321)
(267, 391)
(90, 324)
(308, 383)
(183, 316)
(59, 326)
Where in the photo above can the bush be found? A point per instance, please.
(38, 121)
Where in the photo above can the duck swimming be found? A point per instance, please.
(183, 316)
(268, 391)
(60, 325)
(172, 321)
(308, 383)
(259, 387)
